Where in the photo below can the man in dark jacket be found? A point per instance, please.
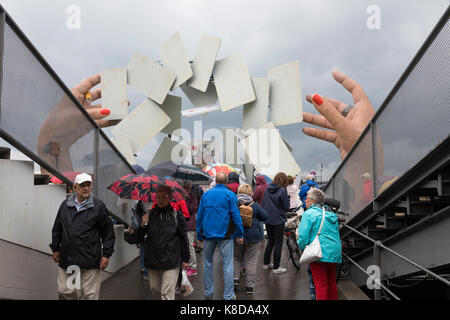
(276, 203)
(261, 187)
(81, 227)
(166, 245)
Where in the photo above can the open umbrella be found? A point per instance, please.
(141, 187)
(215, 168)
(180, 172)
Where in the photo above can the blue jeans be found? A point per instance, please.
(141, 258)
(312, 288)
(226, 249)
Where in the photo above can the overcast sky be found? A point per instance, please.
(321, 35)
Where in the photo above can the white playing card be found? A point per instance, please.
(173, 55)
(285, 94)
(142, 124)
(233, 83)
(149, 78)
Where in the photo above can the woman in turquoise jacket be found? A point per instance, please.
(323, 270)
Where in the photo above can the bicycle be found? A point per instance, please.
(291, 239)
(343, 269)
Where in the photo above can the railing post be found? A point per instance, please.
(96, 171)
(377, 262)
(373, 131)
(333, 188)
(2, 46)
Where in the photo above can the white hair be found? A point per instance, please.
(316, 195)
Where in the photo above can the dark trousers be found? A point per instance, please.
(276, 236)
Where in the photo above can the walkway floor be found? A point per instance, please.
(128, 283)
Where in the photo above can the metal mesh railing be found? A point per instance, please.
(353, 183)
(411, 123)
(40, 117)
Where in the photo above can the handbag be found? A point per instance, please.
(313, 251)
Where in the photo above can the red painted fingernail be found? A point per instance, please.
(317, 99)
(105, 112)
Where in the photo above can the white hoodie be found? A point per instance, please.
(292, 191)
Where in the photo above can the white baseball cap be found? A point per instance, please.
(82, 177)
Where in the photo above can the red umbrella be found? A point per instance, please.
(141, 187)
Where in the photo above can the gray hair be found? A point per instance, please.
(316, 195)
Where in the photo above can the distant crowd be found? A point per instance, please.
(231, 217)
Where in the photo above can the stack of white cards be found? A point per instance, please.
(232, 87)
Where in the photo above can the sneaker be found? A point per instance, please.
(236, 284)
(234, 297)
(178, 290)
(279, 270)
(191, 272)
(248, 290)
(268, 266)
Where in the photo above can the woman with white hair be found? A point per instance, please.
(323, 270)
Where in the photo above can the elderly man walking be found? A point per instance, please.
(218, 222)
(81, 227)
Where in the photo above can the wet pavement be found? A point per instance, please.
(128, 283)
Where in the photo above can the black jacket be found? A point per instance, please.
(276, 203)
(78, 236)
(256, 232)
(165, 242)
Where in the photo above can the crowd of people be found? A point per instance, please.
(83, 235)
(230, 217)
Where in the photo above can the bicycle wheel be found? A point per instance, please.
(342, 271)
(338, 272)
(294, 251)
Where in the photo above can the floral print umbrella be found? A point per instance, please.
(141, 187)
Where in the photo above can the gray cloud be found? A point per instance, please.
(322, 35)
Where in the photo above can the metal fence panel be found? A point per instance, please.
(111, 167)
(413, 122)
(417, 118)
(37, 113)
(42, 118)
(353, 183)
